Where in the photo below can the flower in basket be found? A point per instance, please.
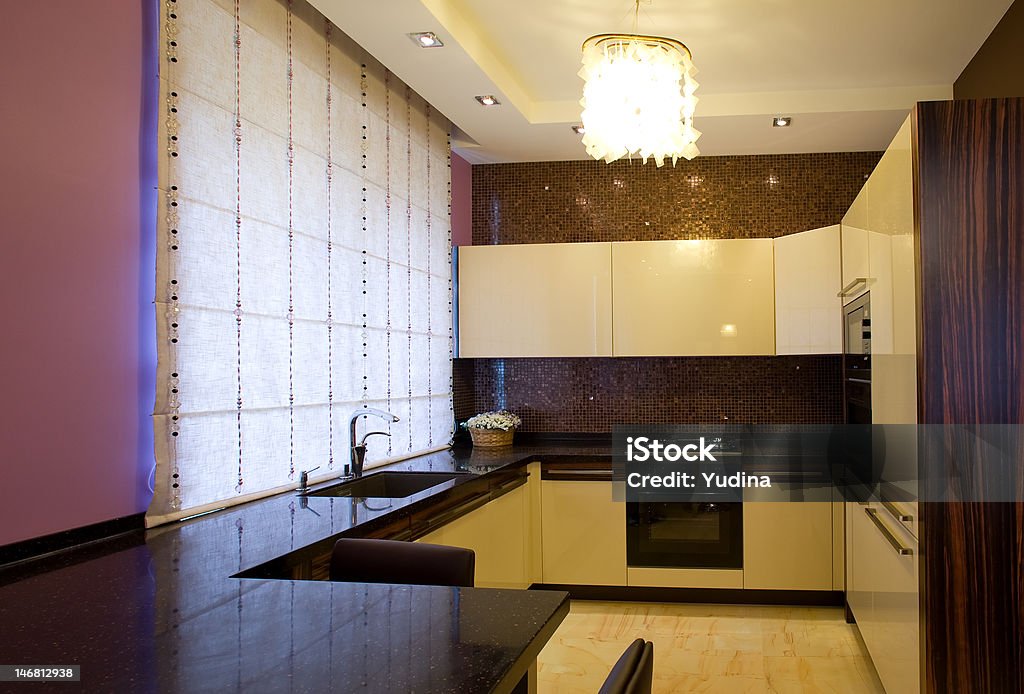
(493, 428)
(500, 419)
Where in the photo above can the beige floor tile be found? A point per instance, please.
(710, 648)
(711, 685)
(808, 644)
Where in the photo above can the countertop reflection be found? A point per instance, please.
(164, 613)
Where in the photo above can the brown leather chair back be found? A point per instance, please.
(358, 560)
(633, 673)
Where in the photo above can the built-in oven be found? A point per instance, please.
(857, 360)
(855, 446)
(705, 535)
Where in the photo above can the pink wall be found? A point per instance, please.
(462, 201)
(77, 174)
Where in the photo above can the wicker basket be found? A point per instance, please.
(491, 438)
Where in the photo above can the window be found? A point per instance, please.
(304, 255)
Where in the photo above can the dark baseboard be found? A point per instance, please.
(37, 547)
(728, 596)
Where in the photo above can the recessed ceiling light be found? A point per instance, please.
(579, 129)
(488, 100)
(781, 121)
(426, 39)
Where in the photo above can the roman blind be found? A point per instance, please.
(304, 255)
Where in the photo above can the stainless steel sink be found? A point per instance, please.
(388, 485)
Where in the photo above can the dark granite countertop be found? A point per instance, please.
(163, 613)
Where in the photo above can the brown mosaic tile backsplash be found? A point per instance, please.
(709, 197)
(590, 395)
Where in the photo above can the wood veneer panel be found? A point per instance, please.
(969, 164)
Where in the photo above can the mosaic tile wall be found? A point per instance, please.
(709, 197)
(592, 394)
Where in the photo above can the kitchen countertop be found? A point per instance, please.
(163, 613)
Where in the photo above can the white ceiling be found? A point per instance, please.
(846, 71)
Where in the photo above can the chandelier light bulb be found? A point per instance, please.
(638, 98)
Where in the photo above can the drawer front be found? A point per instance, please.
(883, 594)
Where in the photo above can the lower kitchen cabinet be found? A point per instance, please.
(498, 533)
(571, 532)
(583, 533)
(787, 545)
(882, 593)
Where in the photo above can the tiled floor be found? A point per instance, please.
(710, 648)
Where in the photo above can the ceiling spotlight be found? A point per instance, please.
(781, 121)
(488, 100)
(579, 129)
(426, 39)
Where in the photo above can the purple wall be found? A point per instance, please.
(76, 262)
(462, 201)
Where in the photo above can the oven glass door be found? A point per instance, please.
(685, 535)
(853, 450)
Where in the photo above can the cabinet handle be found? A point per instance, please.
(469, 504)
(473, 502)
(509, 485)
(595, 475)
(899, 515)
(853, 283)
(900, 549)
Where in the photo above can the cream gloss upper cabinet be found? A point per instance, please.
(855, 263)
(808, 310)
(535, 300)
(867, 231)
(693, 298)
(893, 293)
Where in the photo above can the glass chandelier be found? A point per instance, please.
(638, 98)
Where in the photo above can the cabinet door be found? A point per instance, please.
(808, 311)
(497, 533)
(855, 258)
(584, 534)
(893, 296)
(882, 591)
(787, 545)
(693, 298)
(535, 300)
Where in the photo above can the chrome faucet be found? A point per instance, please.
(359, 449)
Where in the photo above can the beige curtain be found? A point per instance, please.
(304, 255)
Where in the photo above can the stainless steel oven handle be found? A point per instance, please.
(887, 534)
(845, 291)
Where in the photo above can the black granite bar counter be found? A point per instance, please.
(165, 615)
(275, 636)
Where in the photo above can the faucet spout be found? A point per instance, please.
(359, 449)
(372, 433)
